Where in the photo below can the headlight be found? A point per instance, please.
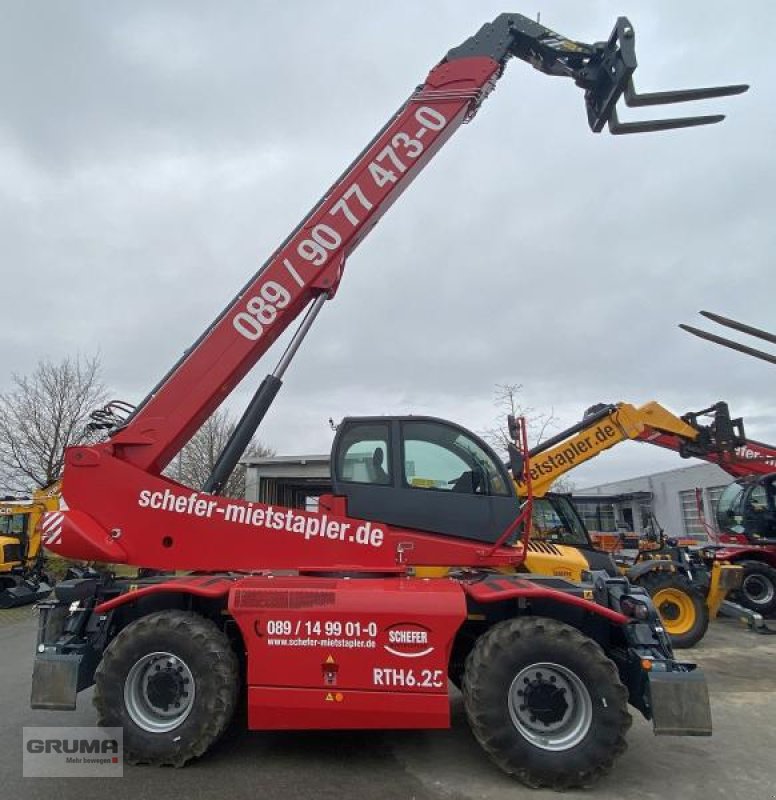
(637, 609)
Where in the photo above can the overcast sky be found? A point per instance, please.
(153, 154)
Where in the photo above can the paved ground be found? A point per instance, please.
(739, 761)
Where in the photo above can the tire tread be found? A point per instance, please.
(501, 639)
(211, 643)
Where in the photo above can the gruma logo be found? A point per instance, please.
(72, 752)
(407, 640)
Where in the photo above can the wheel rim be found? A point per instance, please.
(758, 589)
(159, 692)
(676, 609)
(550, 706)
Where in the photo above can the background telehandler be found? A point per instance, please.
(746, 515)
(687, 589)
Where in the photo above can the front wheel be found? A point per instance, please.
(682, 608)
(170, 680)
(545, 703)
(758, 587)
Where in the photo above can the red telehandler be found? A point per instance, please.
(350, 639)
(746, 515)
(746, 520)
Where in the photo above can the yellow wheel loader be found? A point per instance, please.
(23, 578)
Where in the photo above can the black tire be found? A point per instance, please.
(514, 653)
(133, 682)
(758, 587)
(682, 607)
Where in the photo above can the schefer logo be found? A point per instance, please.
(407, 640)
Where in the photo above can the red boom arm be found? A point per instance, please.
(310, 262)
(751, 458)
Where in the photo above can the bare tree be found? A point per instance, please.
(193, 465)
(41, 415)
(507, 402)
(564, 485)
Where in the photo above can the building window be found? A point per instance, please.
(598, 517)
(646, 516)
(693, 525)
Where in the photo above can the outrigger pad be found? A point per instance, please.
(680, 703)
(55, 682)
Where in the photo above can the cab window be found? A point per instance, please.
(363, 455)
(758, 500)
(13, 524)
(555, 524)
(729, 507)
(441, 458)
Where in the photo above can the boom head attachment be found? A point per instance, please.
(609, 76)
(604, 70)
(721, 435)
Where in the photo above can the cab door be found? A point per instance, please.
(425, 474)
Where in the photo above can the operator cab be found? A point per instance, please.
(13, 538)
(422, 473)
(747, 508)
(556, 521)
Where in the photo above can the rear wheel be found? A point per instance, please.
(545, 703)
(170, 680)
(682, 607)
(758, 587)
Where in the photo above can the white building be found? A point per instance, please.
(683, 501)
(294, 481)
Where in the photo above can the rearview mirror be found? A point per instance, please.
(512, 427)
(516, 462)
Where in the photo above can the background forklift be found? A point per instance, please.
(687, 586)
(746, 519)
(23, 578)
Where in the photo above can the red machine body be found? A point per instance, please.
(378, 648)
(351, 639)
(149, 520)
